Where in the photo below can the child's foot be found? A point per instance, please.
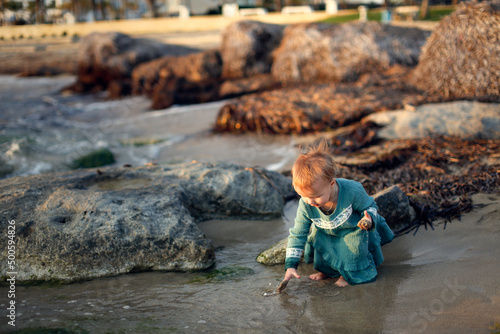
(341, 282)
(318, 276)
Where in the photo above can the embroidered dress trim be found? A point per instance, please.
(373, 211)
(336, 222)
(294, 252)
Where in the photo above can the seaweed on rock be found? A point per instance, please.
(319, 107)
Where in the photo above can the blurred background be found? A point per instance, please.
(20, 12)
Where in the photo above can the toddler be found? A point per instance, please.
(337, 227)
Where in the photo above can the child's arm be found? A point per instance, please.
(298, 237)
(367, 207)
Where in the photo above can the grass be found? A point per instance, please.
(435, 14)
(438, 14)
(337, 19)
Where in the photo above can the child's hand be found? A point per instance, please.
(366, 222)
(290, 272)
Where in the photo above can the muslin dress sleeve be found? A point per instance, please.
(298, 237)
(362, 202)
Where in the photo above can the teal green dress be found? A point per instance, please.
(334, 243)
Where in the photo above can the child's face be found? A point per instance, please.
(318, 194)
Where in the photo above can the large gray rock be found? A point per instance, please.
(466, 119)
(106, 60)
(393, 205)
(247, 47)
(319, 51)
(193, 78)
(94, 223)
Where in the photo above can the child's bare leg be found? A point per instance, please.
(341, 282)
(318, 276)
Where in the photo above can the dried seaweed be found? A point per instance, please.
(319, 107)
(461, 58)
(439, 175)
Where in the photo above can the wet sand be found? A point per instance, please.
(437, 281)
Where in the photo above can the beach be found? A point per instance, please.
(439, 278)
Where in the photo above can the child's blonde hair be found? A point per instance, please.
(315, 164)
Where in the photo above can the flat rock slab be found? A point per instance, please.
(93, 223)
(466, 119)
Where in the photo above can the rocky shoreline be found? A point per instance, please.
(93, 223)
(426, 159)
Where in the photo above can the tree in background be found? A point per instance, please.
(94, 9)
(104, 4)
(39, 11)
(2, 12)
(424, 9)
(279, 5)
(123, 11)
(12, 5)
(152, 6)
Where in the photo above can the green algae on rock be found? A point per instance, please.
(98, 158)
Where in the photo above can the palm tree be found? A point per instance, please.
(123, 10)
(103, 10)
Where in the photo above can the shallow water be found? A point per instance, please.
(42, 130)
(438, 281)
